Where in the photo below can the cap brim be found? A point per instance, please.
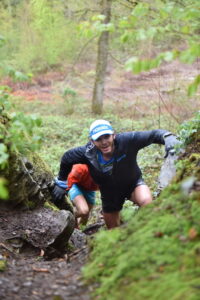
(95, 136)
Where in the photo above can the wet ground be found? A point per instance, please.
(36, 274)
(37, 278)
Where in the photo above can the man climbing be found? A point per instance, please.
(112, 162)
(81, 190)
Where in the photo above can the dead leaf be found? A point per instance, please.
(161, 268)
(35, 293)
(158, 234)
(41, 252)
(43, 270)
(192, 233)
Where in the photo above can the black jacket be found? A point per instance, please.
(125, 168)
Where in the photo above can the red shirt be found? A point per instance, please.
(81, 176)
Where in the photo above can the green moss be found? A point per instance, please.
(28, 176)
(39, 165)
(30, 204)
(3, 265)
(154, 253)
(50, 205)
(194, 157)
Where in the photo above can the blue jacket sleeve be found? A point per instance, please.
(71, 157)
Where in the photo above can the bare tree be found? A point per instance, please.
(103, 42)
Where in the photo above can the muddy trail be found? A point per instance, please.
(31, 275)
(37, 278)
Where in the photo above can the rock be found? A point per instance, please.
(41, 228)
(168, 171)
(187, 184)
(78, 239)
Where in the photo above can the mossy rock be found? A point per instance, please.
(29, 179)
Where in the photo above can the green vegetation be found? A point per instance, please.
(3, 265)
(164, 22)
(17, 134)
(156, 254)
(39, 35)
(189, 129)
(69, 96)
(34, 36)
(16, 130)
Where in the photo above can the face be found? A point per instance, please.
(105, 144)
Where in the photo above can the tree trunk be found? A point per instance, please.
(98, 92)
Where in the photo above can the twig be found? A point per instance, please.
(83, 48)
(78, 56)
(43, 270)
(114, 58)
(76, 252)
(93, 226)
(7, 248)
(130, 4)
(165, 105)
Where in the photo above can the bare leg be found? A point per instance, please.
(112, 220)
(82, 209)
(84, 218)
(141, 195)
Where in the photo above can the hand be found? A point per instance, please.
(58, 194)
(170, 141)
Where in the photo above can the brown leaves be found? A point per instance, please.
(192, 235)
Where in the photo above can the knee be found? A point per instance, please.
(141, 196)
(83, 212)
(145, 201)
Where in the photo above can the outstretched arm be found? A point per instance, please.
(142, 139)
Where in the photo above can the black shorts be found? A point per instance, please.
(113, 200)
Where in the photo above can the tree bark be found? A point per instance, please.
(103, 42)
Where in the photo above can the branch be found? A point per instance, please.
(133, 4)
(165, 105)
(114, 58)
(83, 48)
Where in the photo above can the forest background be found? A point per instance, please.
(145, 56)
